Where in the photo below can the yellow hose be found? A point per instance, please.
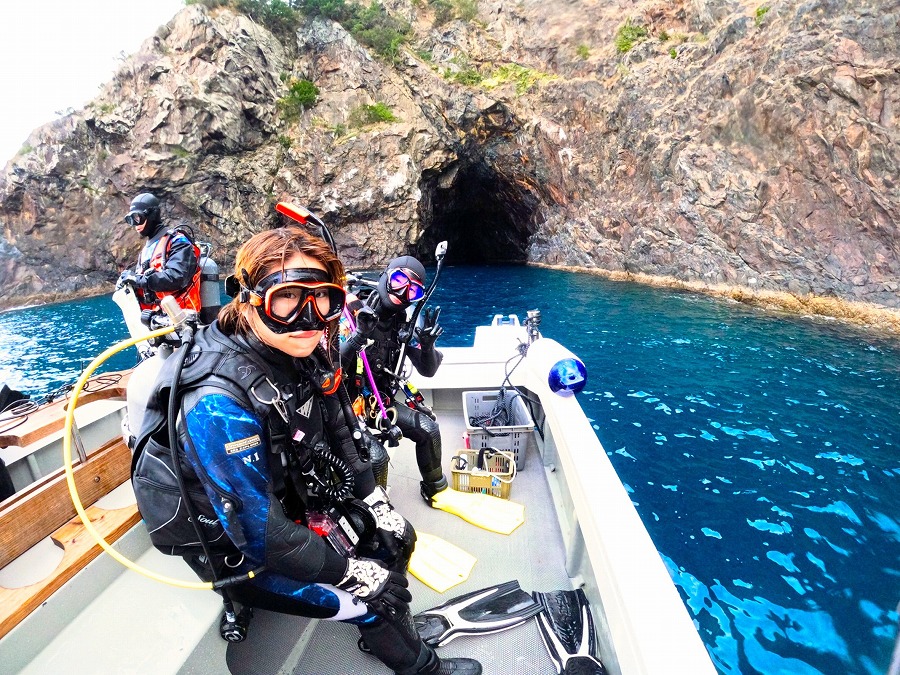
(70, 474)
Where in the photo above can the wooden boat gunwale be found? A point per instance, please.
(44, 508)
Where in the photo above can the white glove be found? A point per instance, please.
(377, 586)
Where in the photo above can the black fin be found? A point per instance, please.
(567, 629)
(488, 610)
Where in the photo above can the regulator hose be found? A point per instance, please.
(70, 474)
(343, 488)
(73, 490)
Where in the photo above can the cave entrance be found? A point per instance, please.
(485, 217)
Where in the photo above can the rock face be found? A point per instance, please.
(734, 143)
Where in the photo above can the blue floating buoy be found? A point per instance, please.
(568, 376)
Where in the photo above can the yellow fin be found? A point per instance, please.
(438, 563)
(485, 511)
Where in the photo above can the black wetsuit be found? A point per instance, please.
(239, 466)
(382, 354)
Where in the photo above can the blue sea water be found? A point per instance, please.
(762, 451)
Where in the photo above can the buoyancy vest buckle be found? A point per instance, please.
(278, 400)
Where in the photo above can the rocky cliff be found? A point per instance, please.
(717, 142)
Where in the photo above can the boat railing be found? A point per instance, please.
(42, 512)
(608, 549)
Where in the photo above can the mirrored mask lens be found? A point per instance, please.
(398, 280)
(415, 292)
(401, 284)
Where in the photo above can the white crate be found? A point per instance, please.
(513, 437)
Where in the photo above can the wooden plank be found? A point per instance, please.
(79, 549)
(51, 418)
(26, 519)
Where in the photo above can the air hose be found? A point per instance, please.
(73, 490)
(407, 333)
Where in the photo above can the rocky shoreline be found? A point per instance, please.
(875, 318)
(751, 155)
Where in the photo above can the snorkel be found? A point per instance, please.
(406, 333)
(305, 217)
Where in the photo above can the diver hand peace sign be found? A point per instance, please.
(430, 331)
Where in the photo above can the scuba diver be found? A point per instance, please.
(169, 263)
(382, 339)
(380, 317)
(271, 497)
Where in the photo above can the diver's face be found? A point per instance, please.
(298, 344)
(140, 221)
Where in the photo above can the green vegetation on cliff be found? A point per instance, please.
(276, 15)
(302, 94)
(370, 114)
(628, 35)
(449, 10)
(371, 25)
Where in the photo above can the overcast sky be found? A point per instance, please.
(54, 54)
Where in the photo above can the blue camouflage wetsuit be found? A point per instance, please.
(239, 464)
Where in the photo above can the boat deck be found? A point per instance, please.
(156, 628)
(579, 522)
(533, 554)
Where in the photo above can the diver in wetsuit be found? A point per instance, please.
(261, 438)
(380, 318)
(169, 263)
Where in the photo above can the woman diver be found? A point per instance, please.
(267, 463)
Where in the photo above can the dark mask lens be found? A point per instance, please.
(336, 300)
(284, 302)
(136, 218)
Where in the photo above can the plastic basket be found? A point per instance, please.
(494, 478)
(513, 437)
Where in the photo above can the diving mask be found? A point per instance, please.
(404, 285)
(136, 218)
(294, 300)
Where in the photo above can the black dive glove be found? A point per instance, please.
(132, 279)
(381, 589)
(366, 321)
(430, 331)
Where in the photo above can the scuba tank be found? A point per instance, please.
(127, 301)
(210, 296)
(137, 393)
